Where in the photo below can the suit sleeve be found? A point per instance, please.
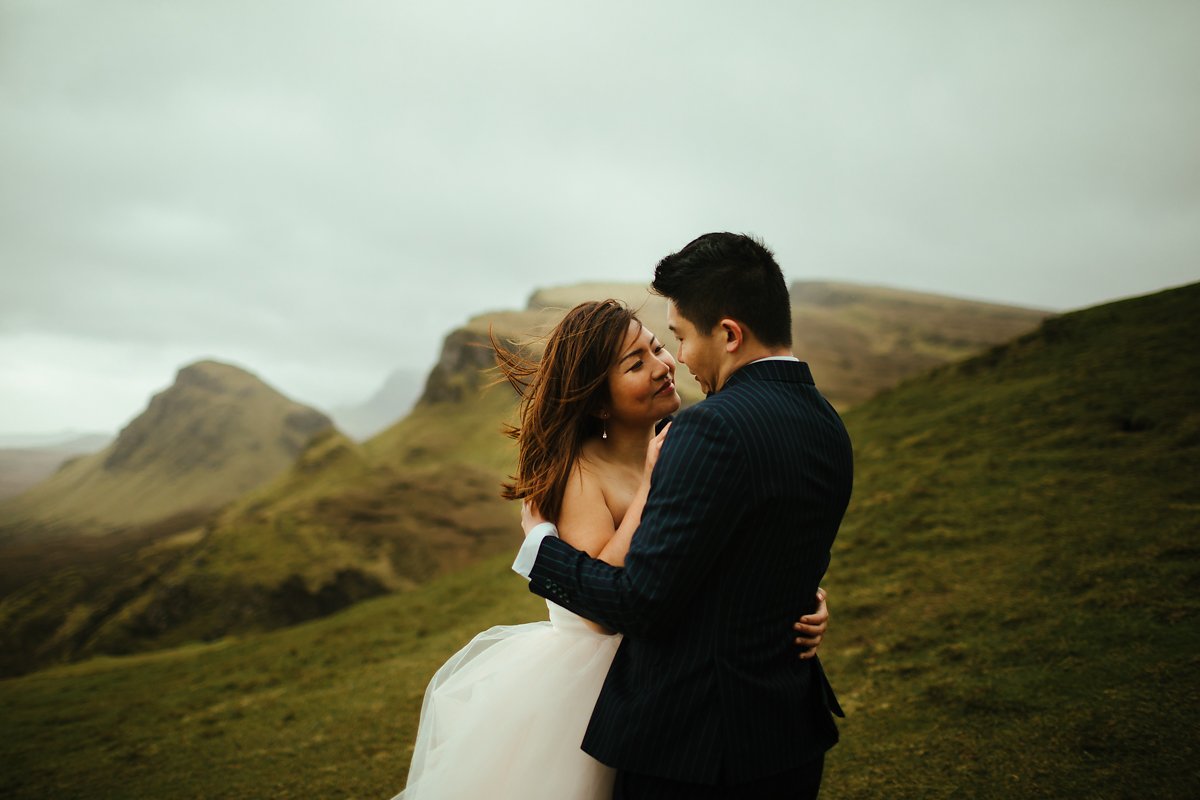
(696, 500)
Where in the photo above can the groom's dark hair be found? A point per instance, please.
(732, 275)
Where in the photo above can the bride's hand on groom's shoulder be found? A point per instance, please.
(810, 630)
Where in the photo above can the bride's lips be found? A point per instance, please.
(669, 386)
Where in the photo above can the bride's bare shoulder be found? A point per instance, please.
(586, 479)
(585, 520)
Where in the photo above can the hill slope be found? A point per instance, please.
(1018, 572)
(22, 468)
(1014, 595)
(347, 521)
(859, 340)
(213, 435)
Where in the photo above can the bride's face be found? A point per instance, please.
(642, 382)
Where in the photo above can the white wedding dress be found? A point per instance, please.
(504, 717)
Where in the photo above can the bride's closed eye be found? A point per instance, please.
(656, 347)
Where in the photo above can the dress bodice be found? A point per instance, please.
(568, 621)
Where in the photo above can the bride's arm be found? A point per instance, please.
(586, 523)
(614, 552)
(618, 545)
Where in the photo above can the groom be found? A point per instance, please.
(705, 698)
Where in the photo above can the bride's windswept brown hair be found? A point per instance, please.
(561, 396)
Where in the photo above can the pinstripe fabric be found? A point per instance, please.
(745, 502)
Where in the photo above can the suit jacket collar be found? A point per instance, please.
(786, 371)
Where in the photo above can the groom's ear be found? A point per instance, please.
(734, 334)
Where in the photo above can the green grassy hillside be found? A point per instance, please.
(343, 523)
(327, 709)
(1018, 574)
(349, 521)
(1014, 591)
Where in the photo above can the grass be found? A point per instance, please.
(1014, 594)
(1015, 585)
(327, 709)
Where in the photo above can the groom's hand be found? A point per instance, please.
(811, 627)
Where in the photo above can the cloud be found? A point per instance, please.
(325, 189)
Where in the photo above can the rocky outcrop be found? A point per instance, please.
(466, 364)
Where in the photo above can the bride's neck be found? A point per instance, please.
(626, 444)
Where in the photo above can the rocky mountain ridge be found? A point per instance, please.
(857, 339)
(216, 433)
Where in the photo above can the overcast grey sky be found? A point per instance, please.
(319, 191)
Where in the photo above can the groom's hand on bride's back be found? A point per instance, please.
(810, 630)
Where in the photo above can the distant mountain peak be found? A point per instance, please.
(385, 407)
(213, 374)
(215, 433)
(208, 418)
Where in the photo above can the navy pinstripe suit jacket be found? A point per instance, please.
(750, 487)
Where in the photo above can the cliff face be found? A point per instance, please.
(464, 367)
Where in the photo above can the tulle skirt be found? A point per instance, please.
(504, 717)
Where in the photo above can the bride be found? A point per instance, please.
(504, 717)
